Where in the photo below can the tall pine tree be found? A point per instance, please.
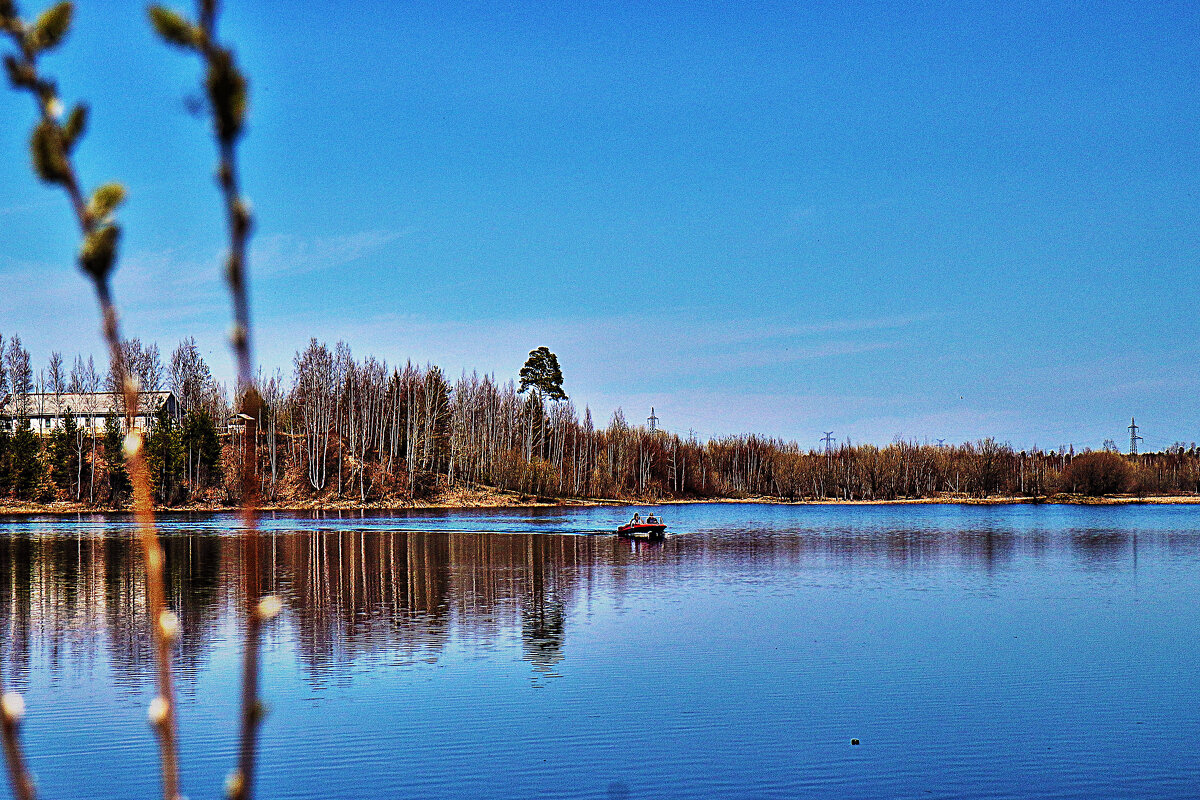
(541, 371)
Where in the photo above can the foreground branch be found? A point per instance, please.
(226, 89)
(51, 147)
(12, 709)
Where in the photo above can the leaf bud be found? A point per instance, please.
(168, 623)
(174, 28)
(51, 26)
(99, 251)
(105, 201)
(19, 73)
(158, 710)
(241, 217)
(227, 95)
(234, 784)
(46, 150)
(12, 705)
(268, 608)
(75, 125)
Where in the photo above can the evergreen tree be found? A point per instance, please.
(541, 371)
(165, 455)
(26, 462)
(64, 457)
(5, 459)
(114, 459)
(201, 447)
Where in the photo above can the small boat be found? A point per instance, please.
(651, 528)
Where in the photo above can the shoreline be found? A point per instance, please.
(1051, 500)
(466, 500)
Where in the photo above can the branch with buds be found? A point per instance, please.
(12, 709)
(52, 145)
(226, 89)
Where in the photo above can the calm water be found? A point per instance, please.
(975, 652)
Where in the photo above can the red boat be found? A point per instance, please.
(651, 528)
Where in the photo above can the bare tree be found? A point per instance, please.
(20, 374)
(87, 378)
(189, 377)
(144, 366)
(3, 370)
(75, 379)
(313, 394)
(57, 379)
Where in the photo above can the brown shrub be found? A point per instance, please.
(1097, 474)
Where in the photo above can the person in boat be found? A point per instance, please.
(651, 519)
(637, 519)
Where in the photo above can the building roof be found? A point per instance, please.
(46, 404)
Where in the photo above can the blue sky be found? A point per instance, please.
(936, 220)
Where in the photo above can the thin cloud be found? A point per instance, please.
(22, 208)
(605, 356)
(284, 255)
(749, 331)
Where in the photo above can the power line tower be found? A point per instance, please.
(652, 420)
(1133, 436)
(941, 442)
(828, 440)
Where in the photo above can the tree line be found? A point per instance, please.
(84, 462)
(343, 428)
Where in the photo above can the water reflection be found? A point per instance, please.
(348, 593)
(75, 592)
(1102, 545)
(976, 652)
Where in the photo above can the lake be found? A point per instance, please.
(975, 651)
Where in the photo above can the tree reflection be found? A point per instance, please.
(349, 594)
(73, 595)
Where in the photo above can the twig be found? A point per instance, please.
(51, 147)
(226, 89)
(12, 709)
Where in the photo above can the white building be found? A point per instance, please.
(45, 410)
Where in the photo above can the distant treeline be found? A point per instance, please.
(349, 429)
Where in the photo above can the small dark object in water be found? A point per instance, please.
(655, 529)
(854, 741)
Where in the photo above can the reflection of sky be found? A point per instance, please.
(987, 650)
(719, 521)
